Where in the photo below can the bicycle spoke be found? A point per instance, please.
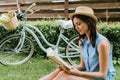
(72, 51)
(10, 54)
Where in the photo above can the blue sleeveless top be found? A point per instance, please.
(91, 57)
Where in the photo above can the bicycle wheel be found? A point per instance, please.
(72, 51)
(9, 54)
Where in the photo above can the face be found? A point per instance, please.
(80, 26)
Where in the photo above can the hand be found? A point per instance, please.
(61, 67)
(72, 71)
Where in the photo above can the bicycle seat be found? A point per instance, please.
(65, 24)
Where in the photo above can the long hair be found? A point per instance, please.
(91, 23)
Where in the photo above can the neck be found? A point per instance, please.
(88, 36)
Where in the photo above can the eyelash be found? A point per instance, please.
(78, 24)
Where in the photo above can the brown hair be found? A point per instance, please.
(91, 26)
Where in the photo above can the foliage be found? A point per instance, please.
(51, 31)
(38, 66)
(112, 32)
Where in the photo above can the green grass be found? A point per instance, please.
(32, 70)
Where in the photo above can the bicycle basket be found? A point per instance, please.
(12, 23)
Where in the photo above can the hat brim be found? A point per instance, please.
(85, 14)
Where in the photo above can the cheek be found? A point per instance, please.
(85, 27)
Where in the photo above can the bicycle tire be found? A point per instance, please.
(8, 55)
(73, 53)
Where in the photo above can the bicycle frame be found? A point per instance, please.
(28, 28)
(22, 44)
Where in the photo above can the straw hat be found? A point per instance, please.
(84, 10)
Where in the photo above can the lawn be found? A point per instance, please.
(35, 68)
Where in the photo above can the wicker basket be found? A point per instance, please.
(12, 24)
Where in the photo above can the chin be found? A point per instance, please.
(81, 33)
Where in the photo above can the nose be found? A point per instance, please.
(77, 27)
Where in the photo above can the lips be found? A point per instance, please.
(79, 30)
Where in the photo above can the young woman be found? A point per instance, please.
(96, 57)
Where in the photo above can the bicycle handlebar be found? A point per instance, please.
(18, 6)
(29, 8)
(21, 15)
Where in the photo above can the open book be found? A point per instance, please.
(55, 57)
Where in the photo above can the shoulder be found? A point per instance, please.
(103, 43)
(103, 47)
(101, 39)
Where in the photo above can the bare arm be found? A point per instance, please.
(81, 67)
(103, 51)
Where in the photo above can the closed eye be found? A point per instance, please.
(77, 25)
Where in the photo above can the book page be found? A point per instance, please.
(55, 57)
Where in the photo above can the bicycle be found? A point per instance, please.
(23, 47)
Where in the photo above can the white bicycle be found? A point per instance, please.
(19, 48)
